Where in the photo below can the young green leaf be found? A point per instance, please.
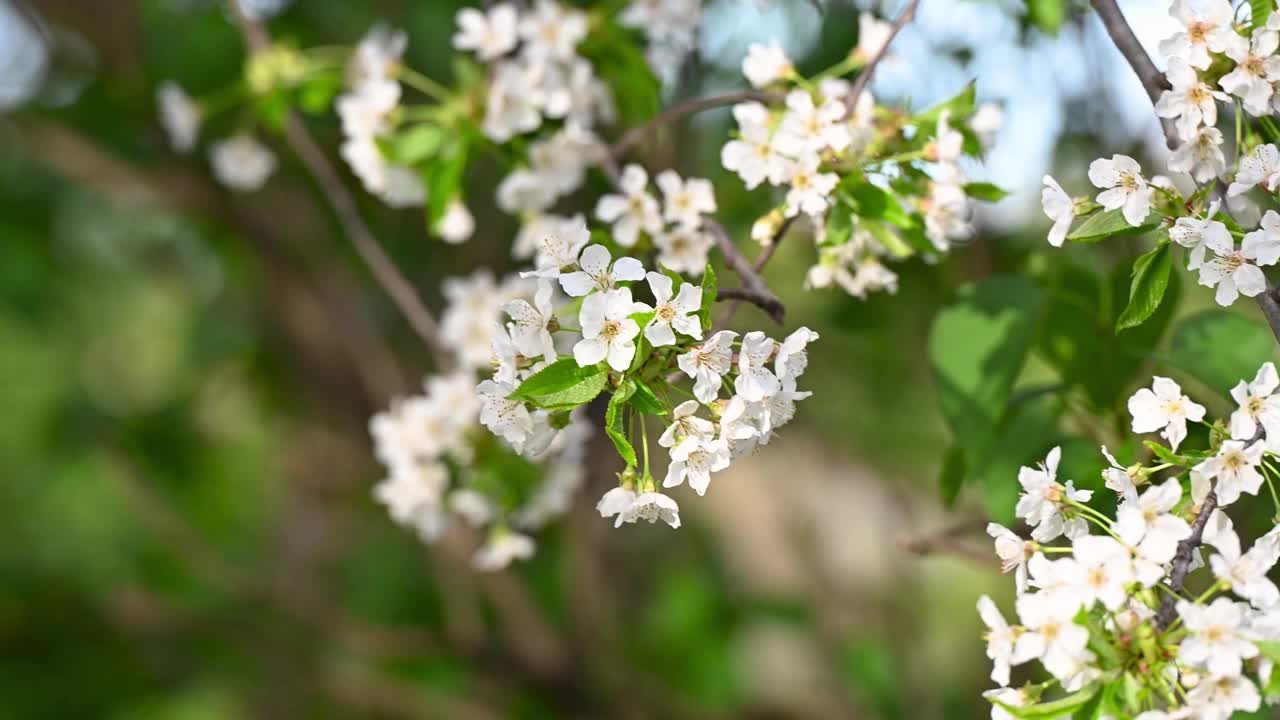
(839, 225)
(1062, 707)
(613, 421)
(985, 191)
(444, 180)
(1108, 223)
(961, 106)
(708, 296)
(415, 145)
(562, 384)
(1259, 11)
(1150, 279)
(646, 401)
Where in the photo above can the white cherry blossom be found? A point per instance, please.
(685, 201)
(1236, 469)
(552, 31)
(1206, 31)
(1001, 641)
(490, 34)
(1059, 207)
(1234, 271)
(686, 423)
(608, 332)
(1123, 186)
(1163, 407)
(1150, 533)
(595, 272)
(1259, 167)
(1197, 234)
(1190, 102)
(530, 322)
(752, 154)
(1014, 553)
(501, 549)
(1256, 65)
(809, 128)
(684, 250)
(242, 163)
(809, 187)
(1218, 638)
(1200, 156)
(755, 381)
(632, 212)
(1044, 498)
(766, 64)
(180, 116)
(693, 459)
(1259, 406)
(508, 419)
(793, 358)
(673, 314)
(651, 507)
(708, 363)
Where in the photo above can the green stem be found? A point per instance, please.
(424, 84)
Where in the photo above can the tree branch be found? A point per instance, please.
(344, 207)
(637, 134)
(753, 290)
(1182, 561)
(1153, 81)
(864, 77)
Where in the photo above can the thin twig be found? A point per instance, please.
(864, 77)
(1153, 81)
(1182, 561)
(754, 289)
(758, 266)
(344, 207)
(637, 134)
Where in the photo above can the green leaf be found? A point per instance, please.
(1054, 708)
(1047, 15)
(839, 225)
(619, 62)
(876, 203)
(316, 95)
(1259, 11)
(1150, 279)
(1109, 223)
(1220, 348)
(977, 348)
(414, 145)
(613, 421)
(985, 191)
(563, 384)
(960, 106)
(646, 401)
(444, 180)
(951, 478)
(709, 290)
(891, 241)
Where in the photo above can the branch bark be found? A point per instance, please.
(343, 205)
(636, 135)
(1182, 562)
(1153, 81)
(753, 290)
(864, 77)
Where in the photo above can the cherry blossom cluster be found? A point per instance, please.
(1227, 235)
(440, 462)
(586, 334)
(876, 183)
(1101, 602)
(673, 227)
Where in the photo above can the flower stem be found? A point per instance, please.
(424, 84)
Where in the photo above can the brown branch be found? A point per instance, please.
(1182, 562)
(947, 541)
(758, 266)
(344, 207)
(1153, 81)
(864, 77)
(754, 289)
(767, 303)
(637, 134)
